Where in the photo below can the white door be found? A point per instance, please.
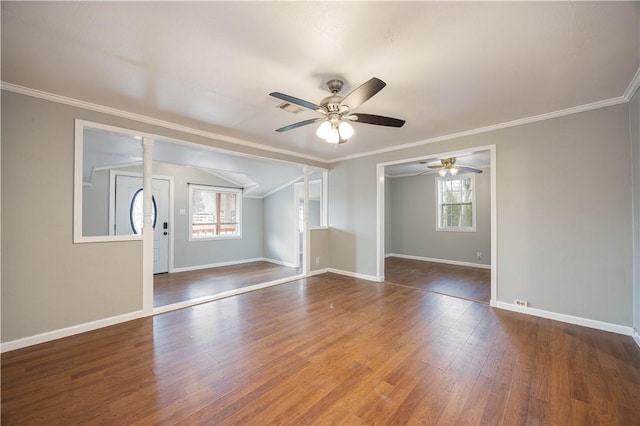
(128, 215)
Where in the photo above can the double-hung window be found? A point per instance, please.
(456, 203)
(214, 212)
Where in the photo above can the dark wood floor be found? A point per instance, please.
(328, 350)
(458, 281)
(183, 286)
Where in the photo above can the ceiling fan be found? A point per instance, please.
(449, 167)
(337, 111)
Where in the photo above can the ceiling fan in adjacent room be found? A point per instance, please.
(448, 167)
(337, 111)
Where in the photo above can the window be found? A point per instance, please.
(214, 212)
(456, 204)
(136, 217)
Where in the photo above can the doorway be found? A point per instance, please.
(128, 218)
(420, 237)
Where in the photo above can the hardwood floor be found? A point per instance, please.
(328, 350)
(459, 281)
(182, 286)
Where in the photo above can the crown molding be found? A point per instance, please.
(150, 120)
(626, 97)
(493, 127)
(633, 86)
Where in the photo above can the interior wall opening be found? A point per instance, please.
(225, 222)
(437, 223)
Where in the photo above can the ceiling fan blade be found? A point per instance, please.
(468, 169)
(378, 120)
(293, 100)
(299, 124)
(363, 93)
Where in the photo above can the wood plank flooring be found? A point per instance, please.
(328, 350)
(458, 281)
(183, 286)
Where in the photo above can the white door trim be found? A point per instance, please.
(112, 213)
(380, 179)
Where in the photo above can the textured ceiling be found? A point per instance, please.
(449, 67)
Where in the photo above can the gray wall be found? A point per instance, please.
(388, 216)
(634, 126)
(315, 215)
(319, 248)
(49, 283)
(197, 253)
(186, 253)
(564, 232)
(280, 226)
(412, 211)
(95, 205)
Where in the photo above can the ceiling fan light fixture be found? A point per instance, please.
(334, 135)
(324, 130)
(345, 129)
(453, 171)
(442, 172)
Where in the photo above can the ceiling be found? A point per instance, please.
(478, 159)
(449, 67)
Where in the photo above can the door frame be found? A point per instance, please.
(380, 194)
(112, 213)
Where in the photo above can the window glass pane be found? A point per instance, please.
(455, 200)
(228, 208)
(136, 216)
(214, 213)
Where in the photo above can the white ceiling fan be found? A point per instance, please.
(448, 167)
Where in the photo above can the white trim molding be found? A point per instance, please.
(318, 272)
(526, 120)
(626, 96)
(355, 275)
(224, 294)
(68, 331)
(432, 259)
(216, 265)
(280, 262)
(148, 120)
(636, 337)
(231, 263)
(570, 319)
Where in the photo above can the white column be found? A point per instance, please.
(305, 223)
(147, 229)
(380, 223)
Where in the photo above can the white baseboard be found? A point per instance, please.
(318, 272)
(355, 275)
(432, 259)
(69, 331)
(223, 295)
(230, 263)
(279, 262)
(636, 337)
(585, 322)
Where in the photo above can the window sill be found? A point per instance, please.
(222, 237)
(456, 229)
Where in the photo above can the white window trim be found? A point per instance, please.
(238, 191)
(473, 204)
(80, 125)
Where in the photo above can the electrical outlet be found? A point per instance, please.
(479, 255)
(317, 260)
(521, 303)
